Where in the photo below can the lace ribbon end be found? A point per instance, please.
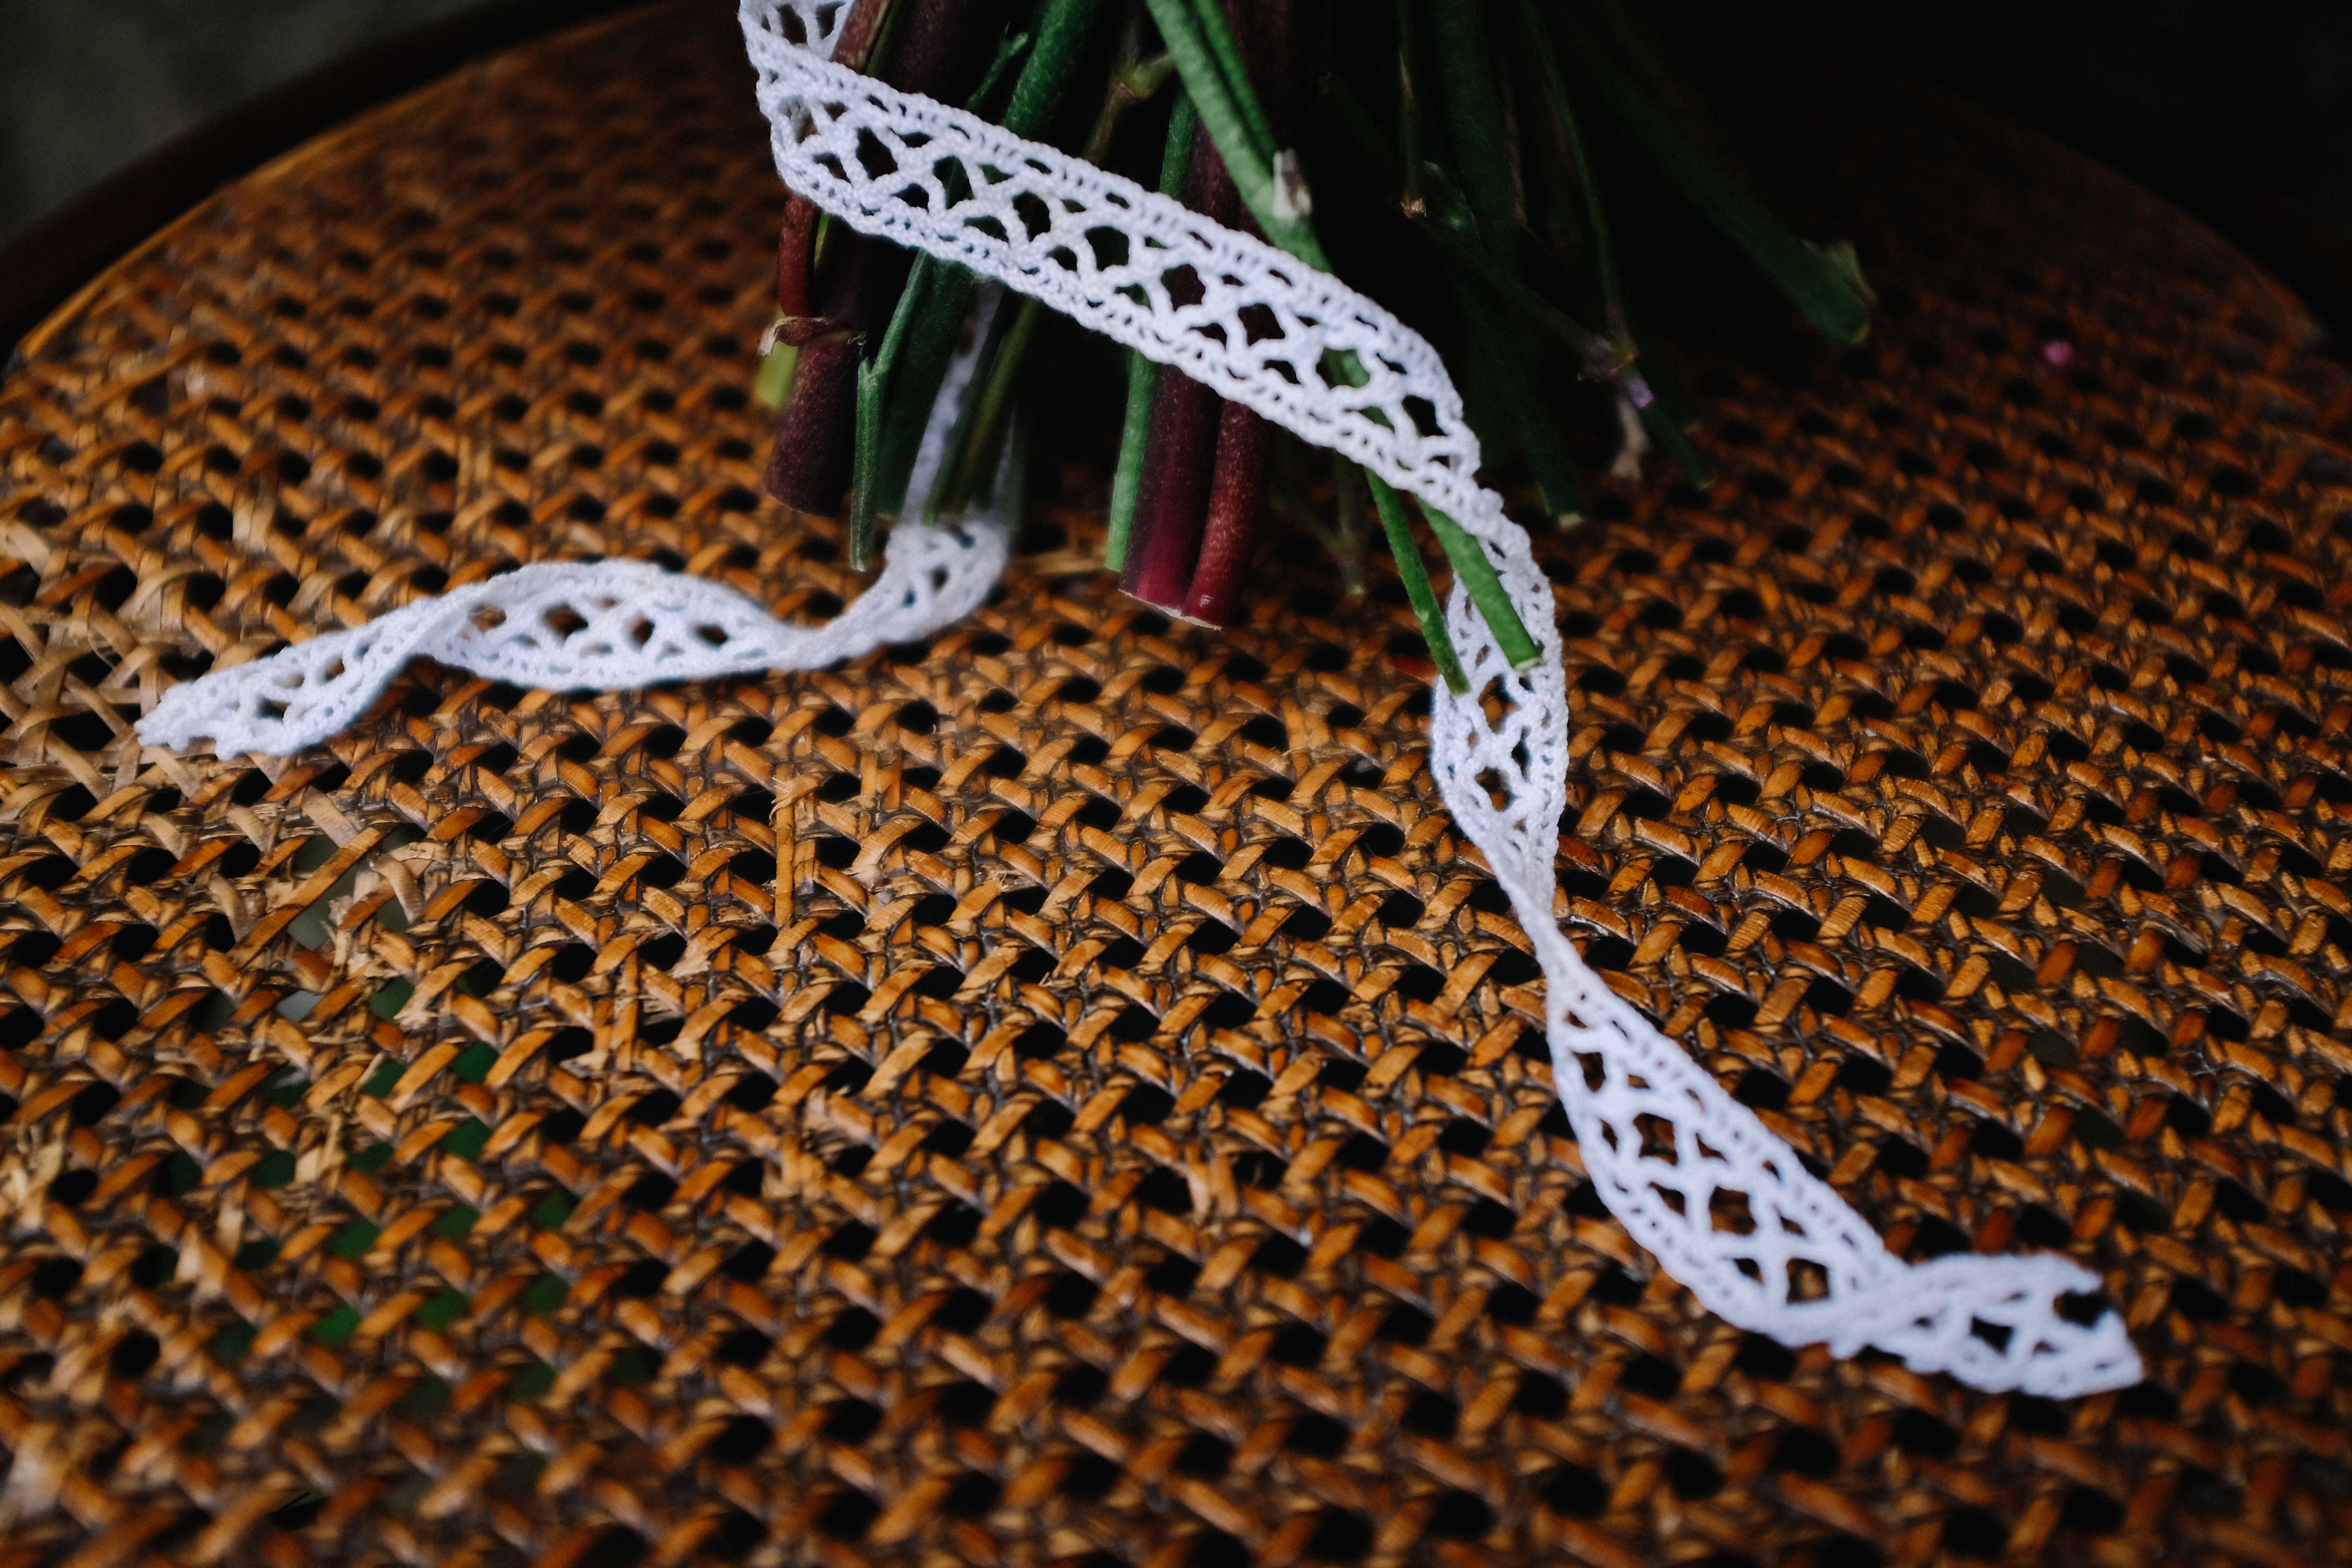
(2036, 1325)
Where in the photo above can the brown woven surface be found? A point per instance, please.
(1067, 1088)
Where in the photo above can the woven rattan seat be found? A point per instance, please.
(1064, 1092)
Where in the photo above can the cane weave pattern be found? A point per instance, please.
(862, 1116)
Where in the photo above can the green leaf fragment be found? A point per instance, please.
(315, 852)
(336, 1327)
(425, 1397)
(465, 1139)
(772, 384)
(531, 1382)
(445, 1309)
(391, 997)
(545, 1294)
(350, 1241)
(181, 1174)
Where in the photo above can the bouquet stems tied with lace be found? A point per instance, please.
(1429, 151)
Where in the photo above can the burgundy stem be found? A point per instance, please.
(1180, 460)
(820, 418)
(1269, 35)
(796, 250)
(1195, 529)
(1230, 540)
(1180, 455)
(857, 32)
(940, 49)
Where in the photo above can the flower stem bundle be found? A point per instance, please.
(1433, 153)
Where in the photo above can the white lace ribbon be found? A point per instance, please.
(1723, 1204)
(562, 626)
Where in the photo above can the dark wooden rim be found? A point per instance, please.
(42, 265)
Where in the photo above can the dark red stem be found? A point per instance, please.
(1180, 460)
(1195, 529)
(1227, 544)
(796, 250)
(940, 49)
(1181, 454)
(857, 32)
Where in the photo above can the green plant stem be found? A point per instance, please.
(1470, 100)
(944, 494)
(1012, 505)
(989, 408)
(1664, 423)
(1248, 159)
(938, 299)
(1661, 416)
(1515, 389)
(1142, 374)
(1347, 524)
(1537, 39)
(1511, 633)
(1417, 591)
(1667, 433)
(1825, 282)
(1229, 130)
(1486, 589)
(1220, 39)
(1408, 112)
(1137, 81)
(1063, 26)
(1471, 103)
(933, 309)
(1127, 479)
(1510, 290)
(865, 456)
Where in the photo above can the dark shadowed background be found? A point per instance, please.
(2238, 110)
(87, 85)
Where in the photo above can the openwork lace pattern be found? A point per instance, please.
(1724, 1204)
(560, 627)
